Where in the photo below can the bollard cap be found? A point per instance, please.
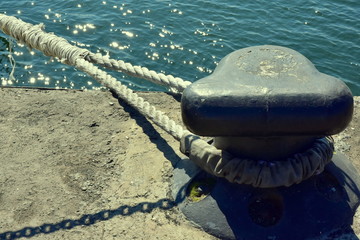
(267, 91)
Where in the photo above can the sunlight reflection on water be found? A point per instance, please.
(186, 39)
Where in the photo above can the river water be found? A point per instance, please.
(184, 38)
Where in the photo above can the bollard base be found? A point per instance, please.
(316, 207)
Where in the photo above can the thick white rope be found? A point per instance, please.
(141, 72)
(51, 45)
(54, 46)
(144, 107)
(34, 37)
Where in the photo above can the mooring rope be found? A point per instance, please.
(215, 161)
(140, 72)
(34, 37)
(144, 107)
(54, 46)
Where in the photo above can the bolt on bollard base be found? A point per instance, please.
(316, 207)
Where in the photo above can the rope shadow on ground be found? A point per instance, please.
(147, 127)
(175, 96)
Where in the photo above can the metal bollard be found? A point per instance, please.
(268, 103)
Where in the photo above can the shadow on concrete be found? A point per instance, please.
(176, 96)
(124, 210)
(90, 219)
(150, 131)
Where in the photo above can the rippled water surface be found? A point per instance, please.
(186, 39)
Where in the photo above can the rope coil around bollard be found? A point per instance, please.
(262, 174)
(219, 163)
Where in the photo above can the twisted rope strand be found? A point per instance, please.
(144, 107)
(34, 37)
(138, 71)
(51, 45)
(54, 46)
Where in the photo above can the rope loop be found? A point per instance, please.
(262, 174)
